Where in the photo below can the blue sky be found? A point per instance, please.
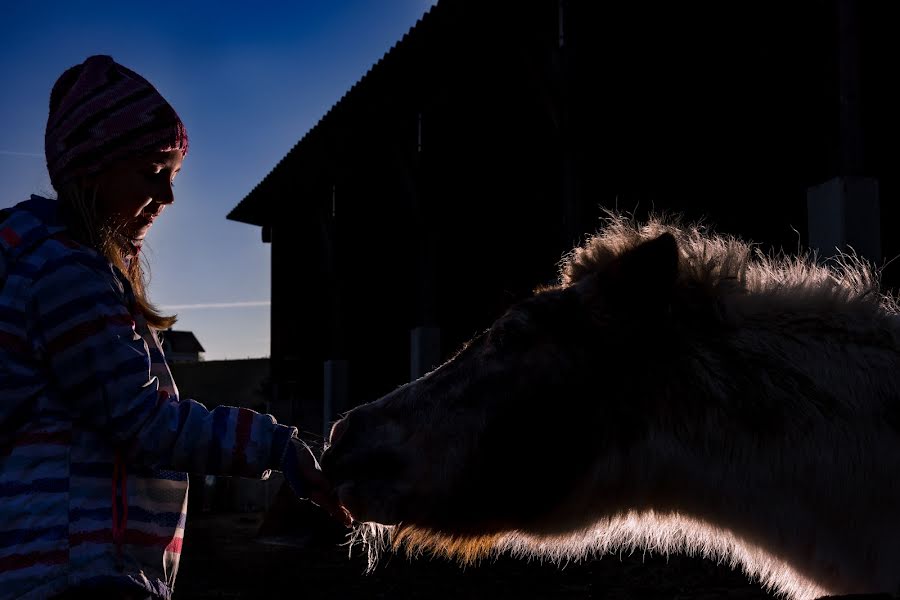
(248, 79)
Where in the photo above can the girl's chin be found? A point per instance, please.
(135, 235)
(139, 230)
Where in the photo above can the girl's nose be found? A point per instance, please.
(166, 196)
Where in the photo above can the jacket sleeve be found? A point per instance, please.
(101, 367)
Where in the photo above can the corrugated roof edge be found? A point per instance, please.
(240, 213)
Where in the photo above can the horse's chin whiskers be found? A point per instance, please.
(374, 538)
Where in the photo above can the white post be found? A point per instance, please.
(844, 212)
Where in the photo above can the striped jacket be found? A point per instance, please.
(95, 444)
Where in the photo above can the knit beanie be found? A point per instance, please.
(101, 112)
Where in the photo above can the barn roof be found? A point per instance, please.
(255, 207)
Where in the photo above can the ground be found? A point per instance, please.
(241, 555)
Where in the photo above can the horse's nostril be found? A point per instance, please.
(337, 431)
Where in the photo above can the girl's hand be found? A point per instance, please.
(302, 472)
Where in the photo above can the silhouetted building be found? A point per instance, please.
(242, 382)
(181, 346)
(451, 179)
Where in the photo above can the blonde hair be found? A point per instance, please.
(86, 225)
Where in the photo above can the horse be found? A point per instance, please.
(675, 391)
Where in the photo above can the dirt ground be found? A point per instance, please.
(247, 555)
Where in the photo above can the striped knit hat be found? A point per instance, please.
(101, 112)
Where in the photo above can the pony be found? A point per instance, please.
(676, 391)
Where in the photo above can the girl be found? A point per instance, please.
(94, 440)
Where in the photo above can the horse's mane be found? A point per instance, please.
(730, 268)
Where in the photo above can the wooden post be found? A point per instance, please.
(573, 217)
(336, 381)
(844, 212)
(425, 338)
(424, 350)
(335, 392)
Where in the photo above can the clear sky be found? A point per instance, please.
(248, 79)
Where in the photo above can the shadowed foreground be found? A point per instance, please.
(223, 558)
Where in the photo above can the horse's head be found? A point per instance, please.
(499, 436)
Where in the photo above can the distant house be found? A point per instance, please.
(181, 346)
(451, 178)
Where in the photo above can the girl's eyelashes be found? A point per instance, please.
(158, 169)
(156, 172)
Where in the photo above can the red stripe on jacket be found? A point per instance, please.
(10, 236)
(35, 438)
(13, 342)
(14, 562)
(133, 537)
(58, 438)
(82, 331)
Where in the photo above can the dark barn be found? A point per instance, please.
(449, 181)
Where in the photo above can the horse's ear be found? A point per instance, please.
(642, 279)
(652, 267)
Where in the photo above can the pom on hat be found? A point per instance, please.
(101, 112)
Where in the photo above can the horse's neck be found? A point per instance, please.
(799, 457)
(827, 502)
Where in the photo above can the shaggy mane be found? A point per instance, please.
(626, 533)
(730, 267)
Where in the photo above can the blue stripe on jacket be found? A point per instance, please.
(38, 486)
(26, 536)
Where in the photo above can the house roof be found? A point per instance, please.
(181, 341)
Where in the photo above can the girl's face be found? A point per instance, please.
(133, 192)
